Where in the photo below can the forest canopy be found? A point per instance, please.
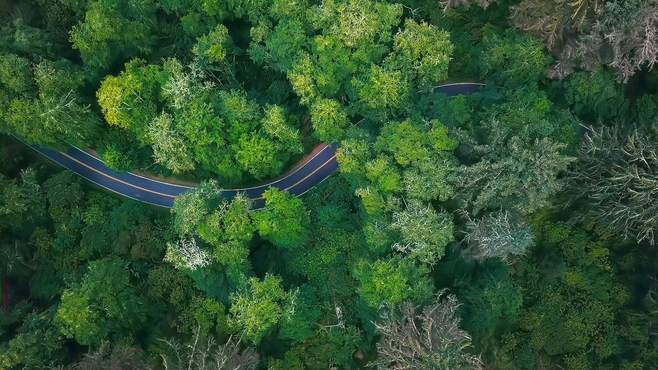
(511, 228)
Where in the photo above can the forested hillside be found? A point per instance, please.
(511, 228)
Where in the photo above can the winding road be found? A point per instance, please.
(311, 171)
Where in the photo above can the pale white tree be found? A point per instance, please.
(205, 354)
(424, 231)
(169, 148)
(429, 339)
(500, 234)
(186, 254)
(448, 4)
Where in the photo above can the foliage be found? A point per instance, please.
(332, 346)
(329, 120)
(596, 96)
(102, 304)
(513, 60)
(46, 105)
(284, 221)
(260, 307)
(392, 281)
(525, 176)
(500, 234)
(191, 208)
(424, 232)
(169, 148)
(422, 51)
(37, 343)
(114, 30)
(485, 194)
(572, 316)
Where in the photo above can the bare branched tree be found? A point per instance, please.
(205, 354)
(447, 4)
(589, 33)
(430, 339)
(107, 357)
(617, 177)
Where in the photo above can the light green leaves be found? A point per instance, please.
(169, 148)
(329, 120)
(260, 306)
(105, 302)
(422, 52)
(425, 232)
(391, 282)
(284, 221)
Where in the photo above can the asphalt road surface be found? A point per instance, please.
(312, 170)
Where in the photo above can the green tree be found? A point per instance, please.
(279, 46)
(115, 30)
(229, 228)
(421, 51)
(104, 303)
(130, 100)
(596, 96)
(260, 306)
(383, 174)
(277, 126)
(492, 305)
(230, 221)
(240, 114)
(214, 47)
(329, 120)
(36, 344)
(284, 221)
(362, 25)
(391, 282)
(333, 346)
(382, 92)
(48, 109)
(16, 75)
(424, 232)
(430, 178)
(21, 202)
(191, 209)
(513, 60)
(169, 148)
(257, 155)
(616, 178)
(410, 143)
(518, 176)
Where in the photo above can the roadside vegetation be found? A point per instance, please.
(512, 228)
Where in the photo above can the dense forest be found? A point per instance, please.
(512, 228)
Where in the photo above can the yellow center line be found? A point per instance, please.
(174, 196)
(290, 174)
(117, 179)
(307, 176)
(95, 182)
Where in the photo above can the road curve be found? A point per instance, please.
(312, 170)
